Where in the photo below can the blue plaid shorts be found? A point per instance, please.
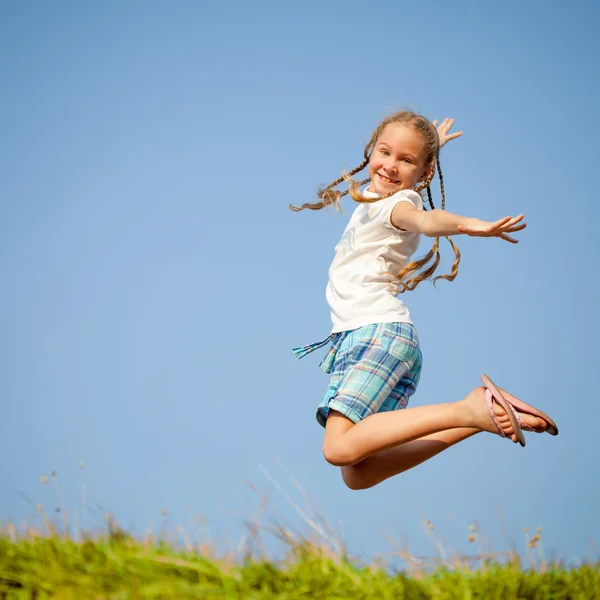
(374, 368)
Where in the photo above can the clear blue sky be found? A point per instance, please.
(154, 280)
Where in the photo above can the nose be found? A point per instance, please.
(391, 168)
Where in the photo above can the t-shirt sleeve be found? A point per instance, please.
(385, 214)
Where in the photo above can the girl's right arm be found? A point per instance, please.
(441, 223)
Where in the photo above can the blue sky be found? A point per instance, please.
(154, 280)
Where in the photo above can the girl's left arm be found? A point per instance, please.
(440, 223)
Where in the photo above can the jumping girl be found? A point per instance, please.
(374, 359)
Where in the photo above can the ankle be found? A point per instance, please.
(473, 404)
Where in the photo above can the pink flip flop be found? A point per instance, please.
(522, 407)
(492, 394)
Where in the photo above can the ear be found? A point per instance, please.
(428, 171)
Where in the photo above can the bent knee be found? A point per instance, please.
(338, 453)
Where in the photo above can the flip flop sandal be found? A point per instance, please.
(525, 426)
(523, 407)
(492, 394)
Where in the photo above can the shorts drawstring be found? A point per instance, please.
(327, 363)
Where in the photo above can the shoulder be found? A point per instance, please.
(410, 196)
(388, 205)
(407, 196)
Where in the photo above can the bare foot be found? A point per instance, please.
(480, 418)
(538, 424)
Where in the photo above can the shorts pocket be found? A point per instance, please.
(402, 348)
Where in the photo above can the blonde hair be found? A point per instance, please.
(418, 270)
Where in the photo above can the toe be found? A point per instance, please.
(536, 423)
(482, 419)
(504, 421)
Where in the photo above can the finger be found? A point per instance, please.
(446, 126)
(499, 223)
(448, 123)
(510, 224)
(514, 228)
(454, 135)
(508, 238)
(503, 224)
(514, 220)
(434, 122)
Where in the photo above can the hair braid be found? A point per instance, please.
(429, 199)
(442, 190)
(456, 262)
(427, 181)
(405, 281)
(454, 272)
(328, 195)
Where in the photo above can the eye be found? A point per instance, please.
(384, 152)
(407, 160)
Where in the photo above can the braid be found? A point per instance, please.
(328, 195)
(427, 181)
(405, 283)
(354, 192)
(357, 185)
(408, 283)
(454, 272)
(429, 198)
(443, 192)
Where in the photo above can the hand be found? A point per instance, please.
(443, 130)
(501, 228)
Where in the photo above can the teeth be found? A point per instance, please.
(387, 179)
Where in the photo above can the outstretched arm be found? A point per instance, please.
(439, 223)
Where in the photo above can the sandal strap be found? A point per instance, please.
(523, 424)
(489, 400)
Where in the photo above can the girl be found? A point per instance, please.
(374, 358)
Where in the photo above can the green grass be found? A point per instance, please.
(115, 565)
(58, 561)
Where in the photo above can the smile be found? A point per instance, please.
(387, 179)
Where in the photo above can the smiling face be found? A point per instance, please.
(398, 160)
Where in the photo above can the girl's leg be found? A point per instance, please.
(387, 463)
(390, 462)
(347, 444)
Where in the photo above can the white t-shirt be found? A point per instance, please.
(359, 291)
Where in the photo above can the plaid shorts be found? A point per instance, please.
(374, 368)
